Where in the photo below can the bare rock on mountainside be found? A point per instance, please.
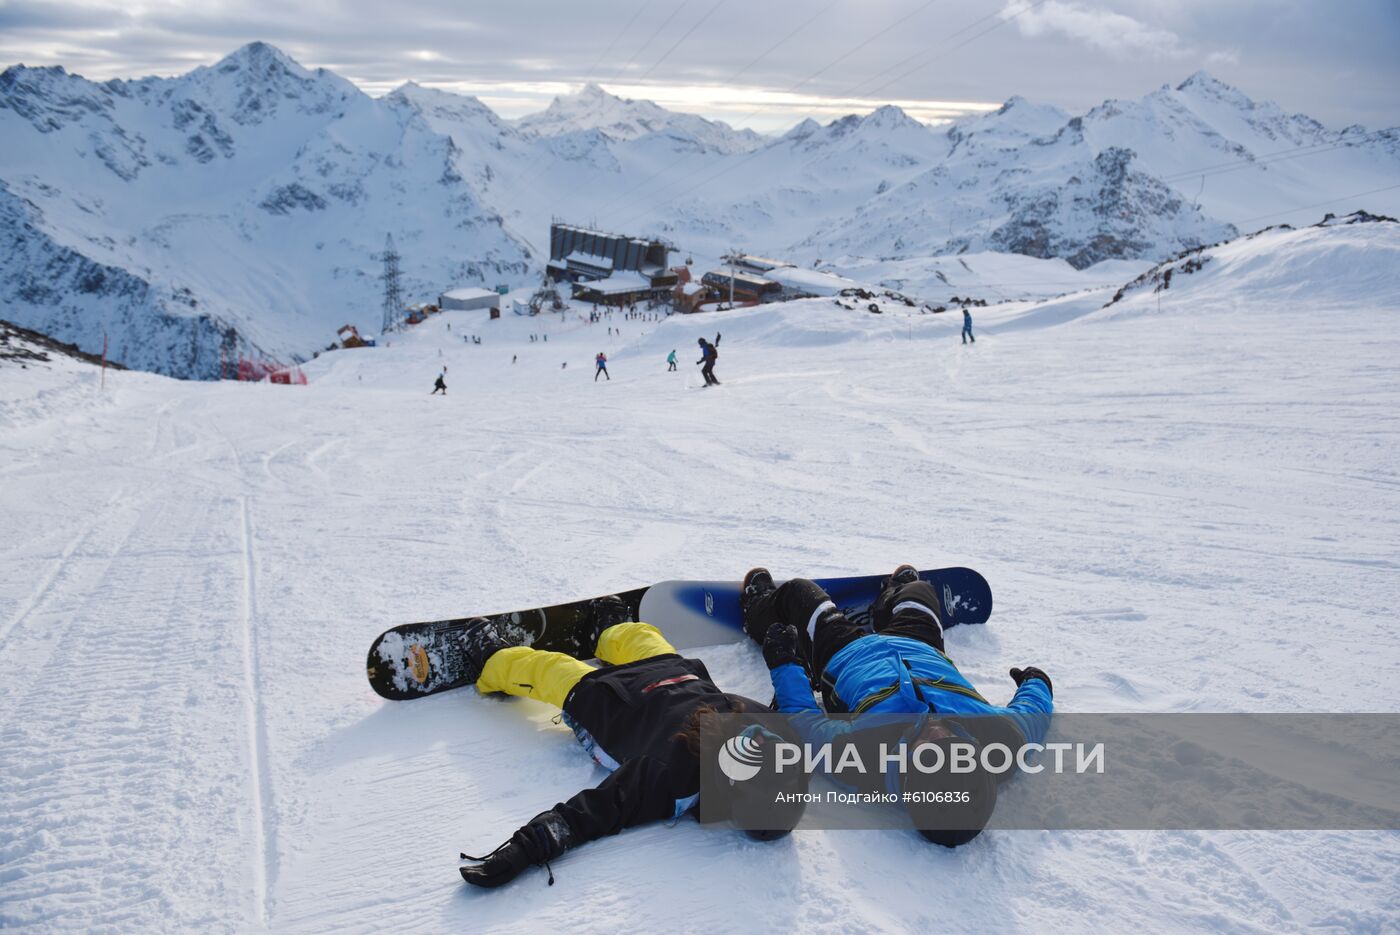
(24, 346)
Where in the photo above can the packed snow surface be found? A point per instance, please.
(1184, 502)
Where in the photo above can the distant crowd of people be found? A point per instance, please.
(709, 350)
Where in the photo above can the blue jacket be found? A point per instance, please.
(897, 674)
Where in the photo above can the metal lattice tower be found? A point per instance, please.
(393, 299)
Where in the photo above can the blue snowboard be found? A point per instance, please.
(418, 659)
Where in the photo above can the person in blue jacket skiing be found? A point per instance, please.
(671, 360)
(899, 667)
(967, 327)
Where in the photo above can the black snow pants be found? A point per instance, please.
(910, 610)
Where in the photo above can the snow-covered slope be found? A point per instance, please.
(986, 276)
(1333, 263)
(1183, 511)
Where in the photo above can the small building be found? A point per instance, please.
(349, 336)
(688, 296)
(617, 289)
(747, 287)
(469, 299)
(417, 314)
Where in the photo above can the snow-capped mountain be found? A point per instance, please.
(241, 208)
(234, 210)
(1127, 180)
(1053, 196)
(624, 119)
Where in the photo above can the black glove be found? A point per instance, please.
(1031, 672)
(781, 646)
(541, 840)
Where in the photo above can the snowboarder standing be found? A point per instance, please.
(967, 327)
(602, 361)
(709, 353)
(639, 716)
(671, 360)
(899, 667)
(439, 386)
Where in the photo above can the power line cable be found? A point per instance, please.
(539, 162)
(626, 195)
(636, 190)
(658, 62)
(1319, 204)
(684, 36)
(904, 61)
(1308, 149)
(723, 170)
(593, 69)
(774, 47)
(1002, 21)
(666, 22)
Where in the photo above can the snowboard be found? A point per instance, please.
(418, 659)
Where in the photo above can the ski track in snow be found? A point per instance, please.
(1191, 511)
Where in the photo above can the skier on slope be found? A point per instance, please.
(900, 667)
(602, 362)
(967, 327)
(709, 353)
(671, 360)
(439, 386)
(639, 717)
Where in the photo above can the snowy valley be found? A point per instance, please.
(239, 209)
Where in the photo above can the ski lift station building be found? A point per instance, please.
(609, 268)
(469, 298)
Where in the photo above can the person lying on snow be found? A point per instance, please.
(899, 668)
(639, 716)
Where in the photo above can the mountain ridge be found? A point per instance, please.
(246, 202)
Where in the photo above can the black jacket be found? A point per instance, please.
(628, 717)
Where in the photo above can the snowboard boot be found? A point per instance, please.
(882, 608)
(481, 639)
(602, 612)
(904, 574)
(757, 583)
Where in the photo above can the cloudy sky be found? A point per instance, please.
(760, 63)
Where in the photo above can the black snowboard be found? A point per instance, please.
(418, 659)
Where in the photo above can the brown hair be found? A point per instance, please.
(701, 718)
